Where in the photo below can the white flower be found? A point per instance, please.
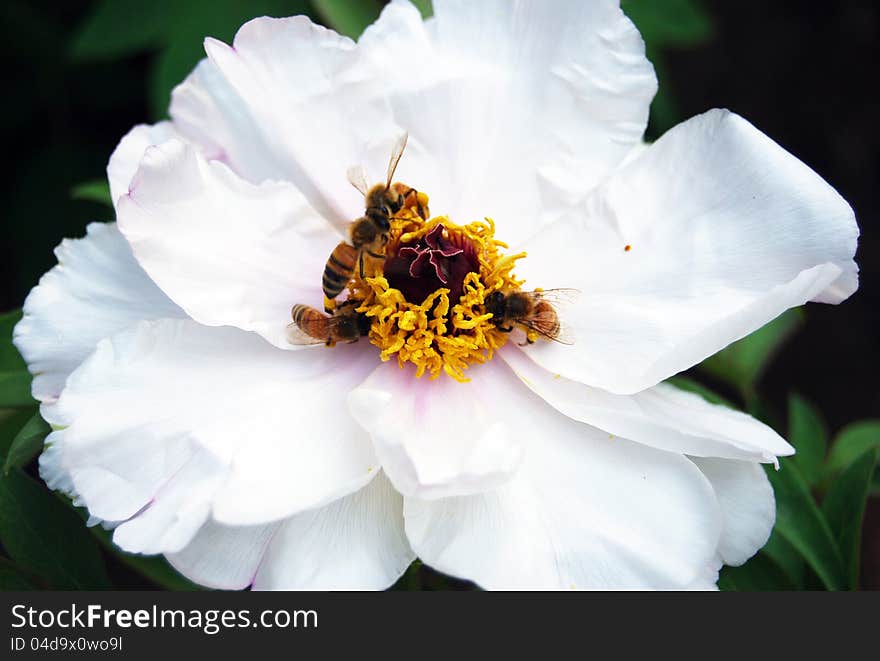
(187, 420)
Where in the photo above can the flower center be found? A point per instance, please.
(427, 305)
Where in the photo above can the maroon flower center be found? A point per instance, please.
(419, 269)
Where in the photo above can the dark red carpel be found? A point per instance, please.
(436, 260)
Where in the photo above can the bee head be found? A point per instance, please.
(496, 304)
(363, 324)
(348, 326)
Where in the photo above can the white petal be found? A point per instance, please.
(726, 231)
(138, 411)
(748, 507)
(302, 85)
(513, 105)
(128, 153)
(178, 509)
(708, 579)
(96, 290)
(440, 438)
(208, 112)
(224, 557)
(663, 417)
(227, 251)
(355, 543)
(55, 475)
(583, 511)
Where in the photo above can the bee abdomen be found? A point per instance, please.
(338, 270)
(547, 319)
(298, 313)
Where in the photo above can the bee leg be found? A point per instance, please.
(361, 263)
(419, 208)
(509, 329)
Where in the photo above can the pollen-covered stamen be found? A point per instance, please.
(428, 306)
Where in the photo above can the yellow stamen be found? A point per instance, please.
(438, 335)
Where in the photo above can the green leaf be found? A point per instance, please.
(15, 389)
(11, 422)
(170, 67)
(347, 17)
(664, 110)
(119, 28)
(10, 359)
(42, 535)
(669, 22)
(97, 190)
(155, 568)
(187, 25)
(801, 523)
(13, 578)
(425, 7)
(758, 574)
(786, 557)
(742, 363)
(690, 385)
(808, 434)
(852, 442)
(27, 443)
(844, 508)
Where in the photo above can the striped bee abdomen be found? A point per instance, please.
(339, 269)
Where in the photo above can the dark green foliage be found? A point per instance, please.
(43, 536)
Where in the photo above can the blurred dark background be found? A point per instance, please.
(804, 73)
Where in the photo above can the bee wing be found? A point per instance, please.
(558, 297)
(358, 178)
(296, 335)
(396, 153)
(563, 335)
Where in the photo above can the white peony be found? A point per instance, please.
(185, 419)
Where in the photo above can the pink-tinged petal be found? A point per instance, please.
(207, 111)
(96, 290)
(127, 156)
(440, 438)
(512, 107)
(748, 506)
(190, 419)
(663, 417)
(227, 251)
(584, 511)
(177, 510)
(224, 557)
(705, 237)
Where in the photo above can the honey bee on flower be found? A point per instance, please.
(161, 346)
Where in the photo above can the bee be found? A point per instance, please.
(311, 326)
(369, 233)
(532, 310)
